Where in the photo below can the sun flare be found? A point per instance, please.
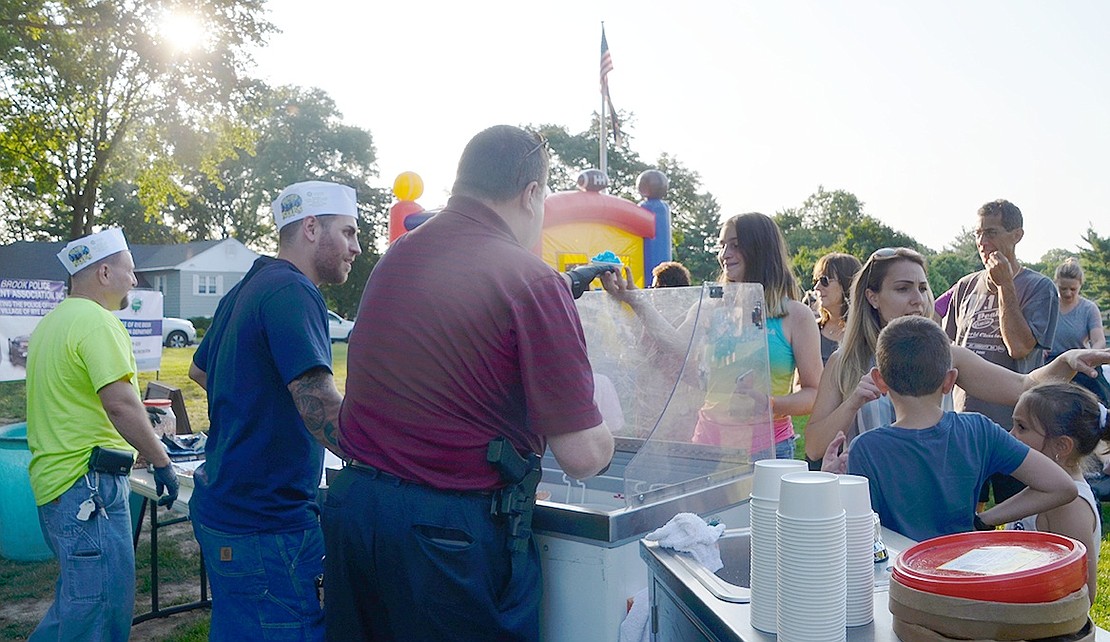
(183, 31)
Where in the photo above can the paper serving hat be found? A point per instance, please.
(83, 252)
(314, 198)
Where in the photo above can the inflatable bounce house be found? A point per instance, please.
(583, 223)
(406, 213)
(578, 224)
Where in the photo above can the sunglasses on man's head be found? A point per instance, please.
(541, 143)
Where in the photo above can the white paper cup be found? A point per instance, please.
(810, 495)
(765, 480)
(855, 495)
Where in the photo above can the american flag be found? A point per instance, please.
(606, 67)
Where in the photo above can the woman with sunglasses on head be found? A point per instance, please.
(752, 250)
(832, 279)
(893, 284)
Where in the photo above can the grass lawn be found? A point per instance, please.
(25, 581)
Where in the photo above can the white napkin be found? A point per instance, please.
(688, 533)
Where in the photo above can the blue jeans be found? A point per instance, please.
(783, 450)
(263, 584)
(94, 597)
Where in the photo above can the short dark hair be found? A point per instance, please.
(1007, 211)
(670, 274)
(1067, 410)
(289, 232)
(913, 356)
(499, 162)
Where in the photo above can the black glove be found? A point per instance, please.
(155, 414)
(581, 277)
(980, 525)
(166, 480)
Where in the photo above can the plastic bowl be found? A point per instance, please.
(1017, 567)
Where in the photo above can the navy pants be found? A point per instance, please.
(408, 562)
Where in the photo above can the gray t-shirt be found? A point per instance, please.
(973, 322)
(1075, 326)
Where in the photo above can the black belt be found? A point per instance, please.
(378, 473)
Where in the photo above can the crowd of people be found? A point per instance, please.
(462, 373)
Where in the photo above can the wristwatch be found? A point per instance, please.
(980, 525)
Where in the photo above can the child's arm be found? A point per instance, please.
(1077, 521)
(1048, 487)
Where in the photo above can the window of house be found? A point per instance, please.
(208, 285)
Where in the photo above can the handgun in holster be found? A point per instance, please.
(516, 501)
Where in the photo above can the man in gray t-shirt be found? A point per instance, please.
(1005, 313)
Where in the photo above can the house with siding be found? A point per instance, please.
(191, 276)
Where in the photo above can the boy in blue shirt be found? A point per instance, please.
(927, 467)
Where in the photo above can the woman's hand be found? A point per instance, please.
(835, 461)
(619, 284)
(865, 391)
(1086, 361)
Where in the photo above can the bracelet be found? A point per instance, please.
(980, 525)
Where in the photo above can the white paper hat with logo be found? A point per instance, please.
(83, 252)
(314, 198)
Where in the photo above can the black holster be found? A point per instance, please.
(516, 502)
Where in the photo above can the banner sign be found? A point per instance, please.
(143, 320)
(23, 302)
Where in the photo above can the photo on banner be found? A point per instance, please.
(23, 303)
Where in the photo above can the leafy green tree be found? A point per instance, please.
(696, 231)
(1095, 261)
(834, 221)
(79, 80)
(1053, 258)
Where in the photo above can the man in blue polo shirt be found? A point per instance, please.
(272, 402)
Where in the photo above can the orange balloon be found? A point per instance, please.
(408, 186)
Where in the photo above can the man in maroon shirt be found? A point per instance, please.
(463, 336)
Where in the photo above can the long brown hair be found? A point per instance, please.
(765, 260)
(861, 335)
(843, 268)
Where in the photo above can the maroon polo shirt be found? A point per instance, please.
(462, 336)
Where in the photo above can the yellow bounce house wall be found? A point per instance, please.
(568, 246)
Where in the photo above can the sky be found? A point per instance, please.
(923, 110)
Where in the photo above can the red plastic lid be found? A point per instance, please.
(1018, 567)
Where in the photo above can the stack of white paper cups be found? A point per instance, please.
(764, 506)
(812, 580)
(855, 495)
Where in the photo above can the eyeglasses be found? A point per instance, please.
(541, 143)
(822, 281)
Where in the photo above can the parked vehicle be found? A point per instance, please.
(17, 350)
(338, 327)
(178, 333)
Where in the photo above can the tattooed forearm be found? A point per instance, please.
(318, 401)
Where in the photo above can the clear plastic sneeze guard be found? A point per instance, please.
(682, 379)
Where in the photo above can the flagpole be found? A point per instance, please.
(602, 141)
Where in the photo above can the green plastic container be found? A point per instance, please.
(21, 536)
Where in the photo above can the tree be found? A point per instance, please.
(79, 80)
(1095, 262)
(834, 222)
(301, 136)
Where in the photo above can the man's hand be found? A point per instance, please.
(999, 269)
(166, 480)
(581, 277)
